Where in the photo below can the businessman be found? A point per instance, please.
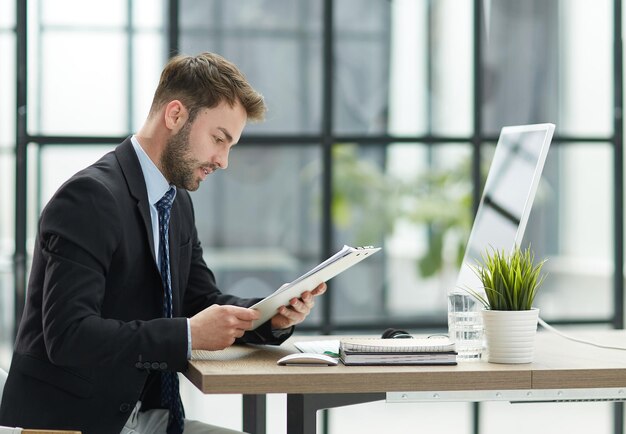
(119, 294)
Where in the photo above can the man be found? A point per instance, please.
(119, 293)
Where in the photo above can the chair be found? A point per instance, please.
(7, 430)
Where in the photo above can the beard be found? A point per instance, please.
(176, 162)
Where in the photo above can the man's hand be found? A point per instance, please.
(298, 309)
(217, 327)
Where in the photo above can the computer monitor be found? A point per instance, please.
(508, 195)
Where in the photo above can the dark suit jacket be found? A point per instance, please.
(92, 338)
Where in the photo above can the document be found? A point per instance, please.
(421, 351)
(336, 264)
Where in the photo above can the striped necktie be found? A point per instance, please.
(170, 396)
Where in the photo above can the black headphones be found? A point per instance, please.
(391, 333)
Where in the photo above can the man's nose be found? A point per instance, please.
(222, 160)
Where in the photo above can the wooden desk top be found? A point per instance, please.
(559, 363)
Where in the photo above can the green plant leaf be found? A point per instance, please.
(510, 281)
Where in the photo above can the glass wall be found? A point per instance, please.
(405, 69)
(7, 175)
(108, 55)
(396, 120)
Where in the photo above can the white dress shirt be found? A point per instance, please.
(157, 186)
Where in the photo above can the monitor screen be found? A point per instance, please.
(508, 195)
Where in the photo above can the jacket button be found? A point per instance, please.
(125, 407)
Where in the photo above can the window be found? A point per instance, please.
(381, 125)
(7, 176)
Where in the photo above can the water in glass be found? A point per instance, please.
(465, 325)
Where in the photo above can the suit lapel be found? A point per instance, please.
(129, 163)
(137, 186)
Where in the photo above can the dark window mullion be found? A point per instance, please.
(618, 191)
(173, 28)
(21, 145)
(618, 168)
(328, 67)
(477, 140)
(130, 55)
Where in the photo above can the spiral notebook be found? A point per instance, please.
(415, 345)
(417, 351)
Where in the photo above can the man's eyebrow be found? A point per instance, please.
(226, 133)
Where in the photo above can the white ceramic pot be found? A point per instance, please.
(510, 335)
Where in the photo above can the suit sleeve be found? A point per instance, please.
(79, 233)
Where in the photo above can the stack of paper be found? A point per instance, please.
(369, 351)
(339, 262)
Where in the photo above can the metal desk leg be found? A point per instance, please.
(254, 410)
(302, 409)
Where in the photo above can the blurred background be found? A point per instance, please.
(383, 116)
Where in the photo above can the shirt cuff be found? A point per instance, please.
(188, 340)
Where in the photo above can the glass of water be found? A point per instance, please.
(465, 325)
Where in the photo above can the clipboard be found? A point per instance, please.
(336, 264)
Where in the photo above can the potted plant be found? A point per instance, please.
(510, 283)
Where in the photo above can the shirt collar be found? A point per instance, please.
(156, 184)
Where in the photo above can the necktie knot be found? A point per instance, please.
(165, 203)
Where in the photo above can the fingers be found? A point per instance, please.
(292, 315)
(321, 288)
(242, 313)
(218, 326)
(298, 308)
(302, 304)
(308, 296)
(240, 319)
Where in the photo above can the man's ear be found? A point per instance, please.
(175, 115)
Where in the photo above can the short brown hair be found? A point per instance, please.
(204, 81)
